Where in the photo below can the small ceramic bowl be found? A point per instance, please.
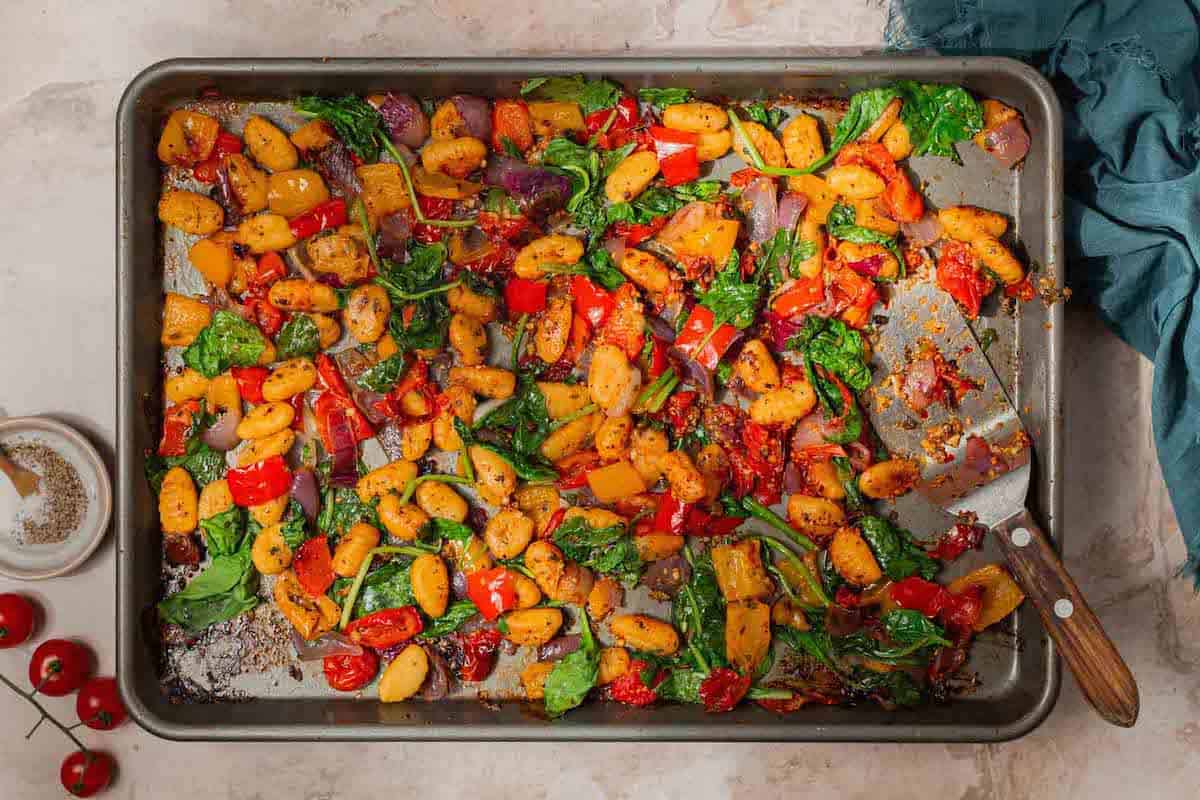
(31, 562)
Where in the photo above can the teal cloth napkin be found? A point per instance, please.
(1126, 73)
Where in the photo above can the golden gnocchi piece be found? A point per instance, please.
(611, 378)
(998, 259)
(711, 146)
(460, 404)
(339, 254)
(606, 595)
(464, 300)
(891, 478)
(784, 405)
(404, 675)
(264, 232)
(815, 516)
(563, 399)
(294, 192)
(185, 385)
(403, 521)
(277, 444)
(657, 546)
(556, 248)
(353, 547)
(440, 500)
(646, 270)
(190, 212)
(270, 552)
(532, 626)
(457, 157)
(414, 440)
(612, 437)
(539, 502)
(852, 557)
(643, 632)
(328, 331)
(508, 533)
(697, 117)
(747, 634)
(269, 146)
(855, 182)
(215, 498)
(764, 142)
(969, 222)
(553, 329)
(823, 475)
(740, 571)
(266, 419)
(495, 478)
(821, 196)
(631, 177)
(493, 382)
(469, 339)
(687, 484)
(367, 313)
(533, 679)
(250, 185)
(647, 446)
(392, 477)
(289, 379)
(431, 584)
(554, 118)
(188, 138)
(897, 141)
(213, 258)
(802, 143)
(298, 294)
(882, 123)
(572, 437)
(269, 512)
(756, 367)
(178, 507)
(614, 662)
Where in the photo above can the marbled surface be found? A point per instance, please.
(65, 67)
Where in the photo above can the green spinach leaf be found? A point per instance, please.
(698, 610)
(228, 341)
(938, 116)
(769, 118)
(355, 120)
(730, 298)
(223, 533)
(459, 612)
(842, 224)
(225, 589)
(390, 586)
(898, 555)
(341, 508)
(299, 337)
(865, 107)
(666, 96)
(590, 95)
(383, 375)
(846, 477)
(575, 675)
(681, 685)
(609, 551)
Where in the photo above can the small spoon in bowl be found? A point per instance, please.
(25, 482)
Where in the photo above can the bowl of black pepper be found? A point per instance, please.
(54, 528)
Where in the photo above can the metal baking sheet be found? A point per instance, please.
(272, 698)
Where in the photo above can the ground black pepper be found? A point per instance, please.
(65, 499)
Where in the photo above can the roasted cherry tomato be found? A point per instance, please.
(85, 773)
(478, 653)
(59, 667)
(313, 564)
(958, 540)
(16, 619)
(351, 673)
(630, 689)
(386, 628)
(723, 689)
(99, 705)
(177, 427)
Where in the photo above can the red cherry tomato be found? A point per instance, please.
(351, 673)
(314, 566)
(386, 628)
(16, 619)
(99, 705)
(59, 666)
(85, 773)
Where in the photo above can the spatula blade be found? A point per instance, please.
(958, 473)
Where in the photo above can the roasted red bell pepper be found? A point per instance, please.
(634, 233)
(853, 296)
(671, 514)
(619, 131)
(493, 591)
(386, 628)
(262, 312)
(958, 274)
(270, 268)
(744, 177)
(259, 482)
(697, 329)
(226, 144)
(803, 295)
(313, 564)
(631, 690)
(592, 302)
(552, 524)
(657, 363)
(432, 208)
(676, 151)
(496, 226)
(297, 404)
(701, 523)
(919, 594)
(478, 653)
(962, 611)
(250, 382)
(328, 404)
(330, 214)
(511, 121)
(573, 470)
(523, 296)
(723, 689)
(177, 424)
(846, 597)
(958, 540)
(330, 377)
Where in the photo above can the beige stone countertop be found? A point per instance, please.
(66, 64)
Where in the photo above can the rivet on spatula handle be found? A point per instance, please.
(1101, 673)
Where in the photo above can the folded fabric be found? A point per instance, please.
(1126, 74)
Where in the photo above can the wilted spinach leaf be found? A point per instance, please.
(610, 550)
(228, 341)
(299, 337)
(898, 555)
(355, 120)
(937, 116)
(575, 675)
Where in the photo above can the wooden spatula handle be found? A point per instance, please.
(1099, 670)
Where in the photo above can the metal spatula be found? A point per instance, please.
(960, 475)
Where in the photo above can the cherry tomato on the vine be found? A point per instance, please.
(99, 704)
(16, 619)
(59, 666)
(85, 773)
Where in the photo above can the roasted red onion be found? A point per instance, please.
(394, 232)
(660, 329)
(860, 455)
(405, 121)
(919, 382)
(667, 575)
(391, 439)
(791, 206)
(691, 371)
(793, 479)
(327, 644)
(226, 198)
(458, 583)
(923, 232)
(559, 647)
(782, 329)
(337, 168)
(869, 266)
(437, 680)
(686, 220)
(476, 115)
(810, 431)
(222, 434)
(1008, 142)
(344, 470)
(761, 208)
(181, 550)
(979, 457)
(615, 247)
(538, 189)
(304, 491)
